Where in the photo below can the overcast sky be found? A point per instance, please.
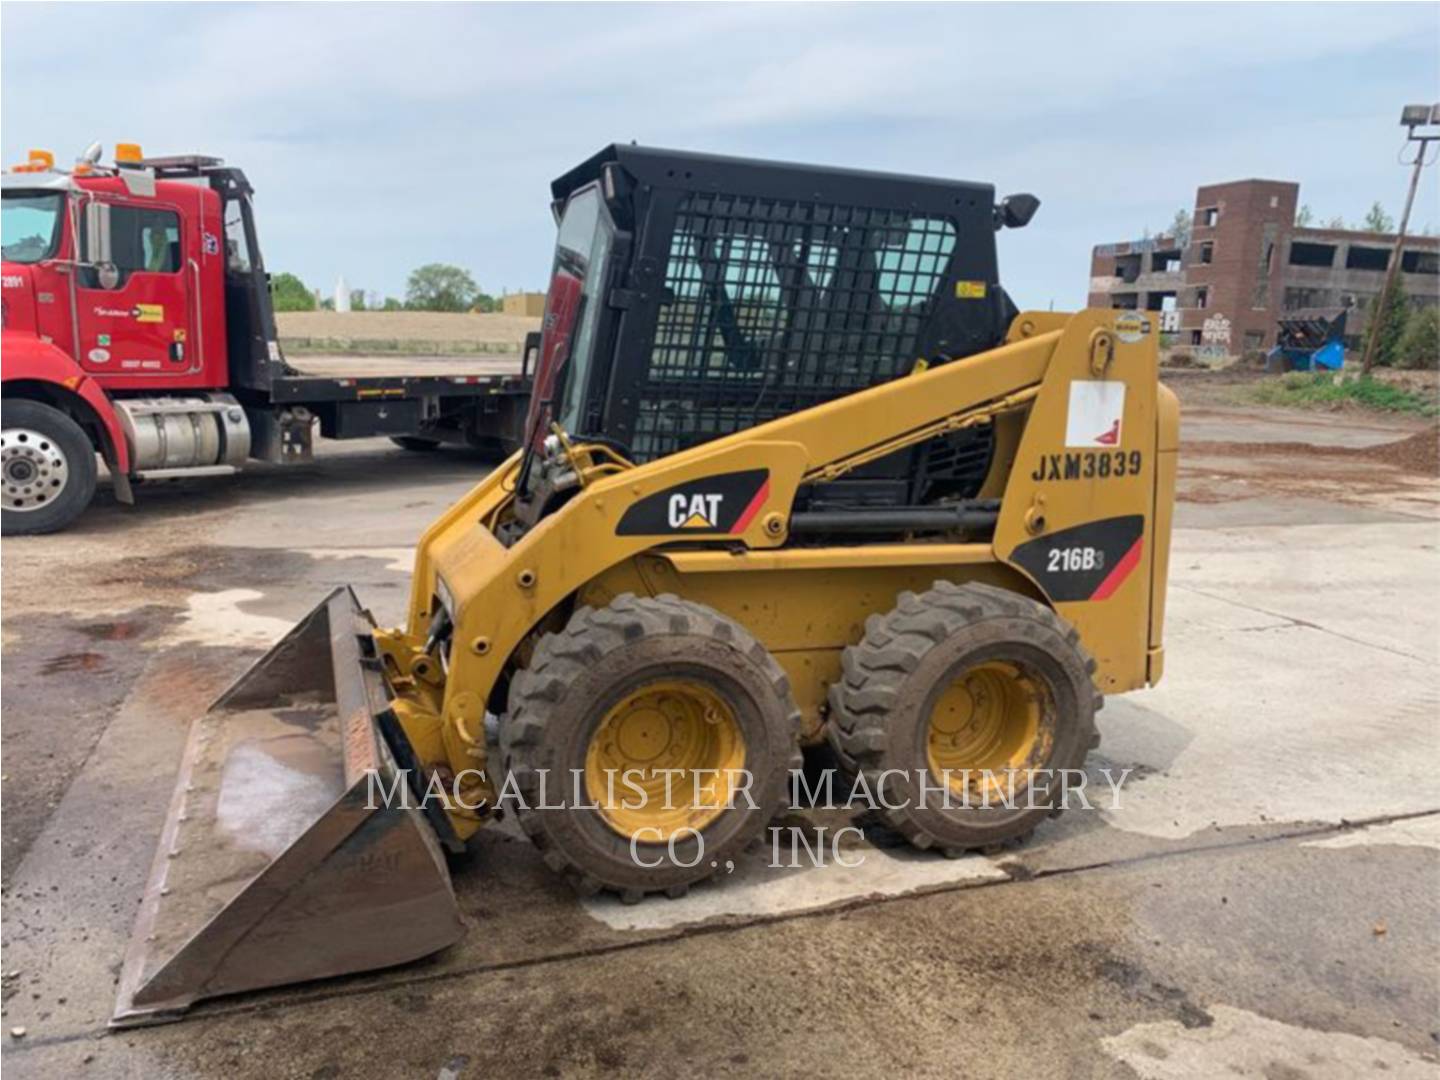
(380, 137)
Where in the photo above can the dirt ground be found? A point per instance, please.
(1264, 903)
(408, 326)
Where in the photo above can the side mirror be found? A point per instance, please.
(1015, 211)
(97, 233)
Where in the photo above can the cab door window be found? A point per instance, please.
(142, 240)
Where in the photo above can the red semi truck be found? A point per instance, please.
(138, 325)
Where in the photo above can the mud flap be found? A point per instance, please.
(290, 851)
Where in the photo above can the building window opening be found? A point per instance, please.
(1209, 217)
(1207, 253)
(1165, 262)
(1202, 298)
(1420, 262)
(1303, 254)
(1298, 298)
(1127, 268)
(1366, 258)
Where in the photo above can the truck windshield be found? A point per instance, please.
(573, 306)
(30, 224)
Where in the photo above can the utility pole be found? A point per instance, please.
(1426, 117)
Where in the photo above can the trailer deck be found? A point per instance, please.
(335, 366)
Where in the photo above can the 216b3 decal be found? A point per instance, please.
(1084, 562)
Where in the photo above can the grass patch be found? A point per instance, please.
(1323, 390)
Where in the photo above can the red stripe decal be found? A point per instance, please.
(1119, 572)
(754, 508)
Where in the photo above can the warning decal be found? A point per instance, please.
(1097, 410)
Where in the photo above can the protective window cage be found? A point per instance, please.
(772, 306)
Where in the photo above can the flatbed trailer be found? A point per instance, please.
(427, 402)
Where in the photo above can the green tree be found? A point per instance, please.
(1420, 344)
(485, 303)
(1336, 222)
(1180, 226)
(391, 304)
(289, 293)
(440, 287)
(1387, 325)
(1377, 220)
(1304, 216)
(357, 299)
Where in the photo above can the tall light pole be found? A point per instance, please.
(1427, 119)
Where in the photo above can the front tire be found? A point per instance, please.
(623, 694)
(47, 468)
(961, 687)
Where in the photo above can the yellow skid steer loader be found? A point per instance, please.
(796, 470)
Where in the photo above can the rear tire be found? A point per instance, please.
(47, 468)
(660, 683)
(415, 443)
(952, 682)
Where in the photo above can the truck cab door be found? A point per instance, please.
(134, 302)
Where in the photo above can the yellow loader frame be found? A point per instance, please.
(805, 604)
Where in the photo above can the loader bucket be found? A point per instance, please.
(271, 869)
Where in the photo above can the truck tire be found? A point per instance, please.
(47, 468)
(415, 443)
(953, 682)
(622, 692)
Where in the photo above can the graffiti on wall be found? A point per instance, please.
(1215, 338)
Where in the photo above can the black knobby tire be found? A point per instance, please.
(415, 443)
(573, 679)
(56, 497)
(880, 708)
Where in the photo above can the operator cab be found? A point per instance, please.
(693, 296)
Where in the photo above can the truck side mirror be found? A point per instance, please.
(97, 233)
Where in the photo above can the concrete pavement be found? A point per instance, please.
(1262, 902)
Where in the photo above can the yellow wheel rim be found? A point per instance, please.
(674, 730)
(991, 717)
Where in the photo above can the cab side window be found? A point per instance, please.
(142, 240)
(147, 240)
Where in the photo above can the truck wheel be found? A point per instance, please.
(47, 468)
(610, 707)
(414, 442)
(956, 687)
